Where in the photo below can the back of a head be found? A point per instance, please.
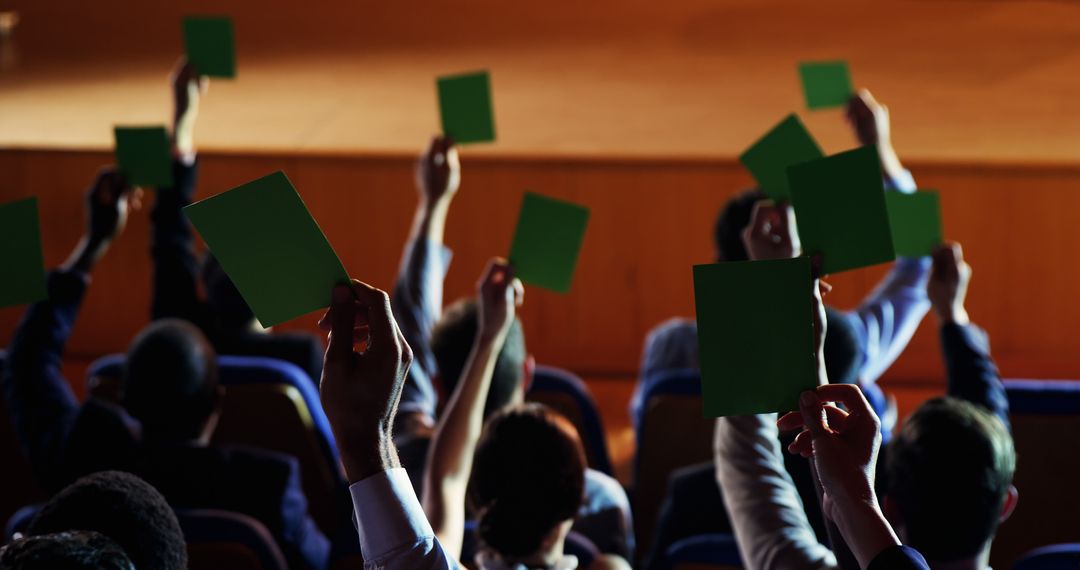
(124, 508)
(452, 340)
(949, 471)
(231, 311)
(843, 351)
(528, 476)
(170, 380)
(727, 233)
(72, 550)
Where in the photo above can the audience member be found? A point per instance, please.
(224, 317)
(442, 344)
(72, 550)
(124, 508)
(169, 385)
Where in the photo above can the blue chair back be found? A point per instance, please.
(566, 393)
(271, 404)
(1056, 557)
(703, 551)
(222, 539)
(1045, 417)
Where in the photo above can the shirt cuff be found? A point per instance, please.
(904, 182)
(388, 514)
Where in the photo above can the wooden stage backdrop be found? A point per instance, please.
(651, 222)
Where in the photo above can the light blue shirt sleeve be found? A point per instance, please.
(394, 532)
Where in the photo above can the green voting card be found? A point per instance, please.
(915, 221)
(465, 107)
(143, 155)
(826, 84)
(270, 246)
(20, 252)
(785, 144)
(547, 241)
(839, 204)
(755, 335)
(209, 44)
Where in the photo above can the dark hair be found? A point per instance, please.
(452, 340)
(170, 380)
(949, 470)
(727, 233)
(230, 311)
(528, 476)
(843, 350)
(124, 508)
(75, 550)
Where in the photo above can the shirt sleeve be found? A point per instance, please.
(770, 524)
(394, 532)
(175, 292)
(417, 305)
(898, 558)
(972, 374)
(888, 318)
(39, 400)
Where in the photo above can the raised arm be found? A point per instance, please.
(360, 392)
(39, 400)
(175, 292)
(971, 372)
(418, 292)
(450, 458)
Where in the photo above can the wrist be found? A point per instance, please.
(953, 315)
(368, 453)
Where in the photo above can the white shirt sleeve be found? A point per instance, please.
(394, 532)
(765, 510)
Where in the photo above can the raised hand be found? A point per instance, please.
(187, 89)
(108, 201)
(360, 389)
(438, 171)
(948, 283)
(771, 233)
(499, 294)
(871, 123)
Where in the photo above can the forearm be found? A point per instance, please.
(364, 455)
(172, 249)
(971, 372)
(864, 528)
(429, 222)
(890, 315)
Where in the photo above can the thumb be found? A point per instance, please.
(342, 319)
(813, 413)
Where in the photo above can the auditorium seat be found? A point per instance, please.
(18, 473)
(1055, 557)
(672, 433)
(269, 404)
(704, 552)
(222, 539)
(567, 394)
(1045, 416)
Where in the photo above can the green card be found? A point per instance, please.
(547, 241)
(20, 253)
(839, 204)
(755, 335)
(826, 84)
(915, 221)
(465, 107)
(143, 155)
(209, 44)
(270, 246)
(787, 143)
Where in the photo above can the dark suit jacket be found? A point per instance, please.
(65, 440)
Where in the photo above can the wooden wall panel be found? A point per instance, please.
(651, 221)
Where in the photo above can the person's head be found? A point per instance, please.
(843, 353)
(72, 550)
(171, 381)
(528, 480)
(451, 343)
(124, 508)
(733, 218)
(231, 311)
(949, 471)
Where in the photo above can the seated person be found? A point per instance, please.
(879, 328)
(929, 494)
(125, 509)
(224, 317)
(360, 391)
(170, 388)
(72, 550)
(442, 345)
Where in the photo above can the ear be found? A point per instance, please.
(1010, 504)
